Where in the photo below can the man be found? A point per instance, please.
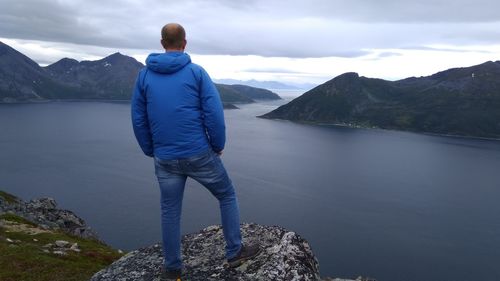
(178, 120)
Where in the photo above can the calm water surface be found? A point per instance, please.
(385, 204)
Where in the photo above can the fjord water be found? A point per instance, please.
(390, 205)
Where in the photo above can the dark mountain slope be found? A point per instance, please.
(62, 66)
(110, 78)
(21, 78)
(459, 101)
(255, 93)
(230, 95)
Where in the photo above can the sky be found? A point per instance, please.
(283, 40)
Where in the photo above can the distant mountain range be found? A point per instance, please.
(459, 101)
(110, 78)
(270, 85)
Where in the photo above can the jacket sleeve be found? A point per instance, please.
(140, 121)
(213, 113)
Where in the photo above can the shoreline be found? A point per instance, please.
(263, 117)
(321, 124)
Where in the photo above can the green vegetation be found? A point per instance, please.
(15, 218)
(8, 197)
(24, 259)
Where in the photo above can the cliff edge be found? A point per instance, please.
(57, 245)
(43, 212)
(285, 256)
(40, 242)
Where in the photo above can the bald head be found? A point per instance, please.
(173, 37)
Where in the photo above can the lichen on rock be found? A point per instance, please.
(284, 256)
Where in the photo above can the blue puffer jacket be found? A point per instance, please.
(176, 109)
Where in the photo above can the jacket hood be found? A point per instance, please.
(168, 62)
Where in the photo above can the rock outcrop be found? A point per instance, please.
(44, 212)
(285, 256)
(40, 242)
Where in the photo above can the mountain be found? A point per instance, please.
(110, 78)
(267, 84)
(62, 65)
(459, 101)
(21, 78)
(255, 93)
(243, 93)
(230, 95)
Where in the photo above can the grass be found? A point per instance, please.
(26, 260)
(16, 218)
(8, 197)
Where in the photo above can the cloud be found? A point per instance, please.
(395, 11)
(388, 54)
(446, 49)
(100, 23)
(295, 29)
(45, 21)
(271, 70)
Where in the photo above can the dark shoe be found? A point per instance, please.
(170, 275)
(247, 252)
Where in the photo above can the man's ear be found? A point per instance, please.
(163, 43)
(184, 46)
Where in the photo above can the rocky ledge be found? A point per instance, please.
(285, 256)
(44, 213)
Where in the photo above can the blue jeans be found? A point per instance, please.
(207, 169)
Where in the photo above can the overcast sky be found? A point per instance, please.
(289, 41)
